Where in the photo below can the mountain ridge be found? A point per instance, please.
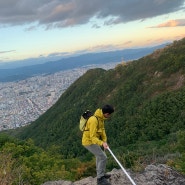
(20, 73)
(136, 89)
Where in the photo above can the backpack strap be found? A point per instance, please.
(97, 120)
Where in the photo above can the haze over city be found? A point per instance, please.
(36, 29)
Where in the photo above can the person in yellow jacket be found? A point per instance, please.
(94, 137)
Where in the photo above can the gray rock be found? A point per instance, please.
(152, 175)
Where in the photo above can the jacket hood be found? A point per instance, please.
(98, 113)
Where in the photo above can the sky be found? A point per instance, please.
(46, 28)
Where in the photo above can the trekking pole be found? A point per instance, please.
(121, 167)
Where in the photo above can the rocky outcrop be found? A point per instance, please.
(152, 175)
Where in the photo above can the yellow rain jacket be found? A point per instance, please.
(94, 132)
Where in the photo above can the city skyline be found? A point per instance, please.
(33, 29)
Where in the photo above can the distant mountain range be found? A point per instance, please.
(20, 70)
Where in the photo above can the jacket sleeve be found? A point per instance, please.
(93, 127)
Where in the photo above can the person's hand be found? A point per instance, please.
(105, 145)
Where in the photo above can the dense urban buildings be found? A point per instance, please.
(24, 101)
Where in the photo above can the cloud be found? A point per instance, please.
(171, 23)
(3, 52)
(96, 26)
(58, 54)
(97, 48)
(128, 42)
(64, 13)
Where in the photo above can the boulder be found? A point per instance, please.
(152, 175)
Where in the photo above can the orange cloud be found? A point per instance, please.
(171, 23)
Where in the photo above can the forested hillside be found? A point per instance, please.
(149, 120)
(148, 95)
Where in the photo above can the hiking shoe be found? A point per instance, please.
(107, 176)
(102, 181)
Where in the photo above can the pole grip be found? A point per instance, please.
(121, 167)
